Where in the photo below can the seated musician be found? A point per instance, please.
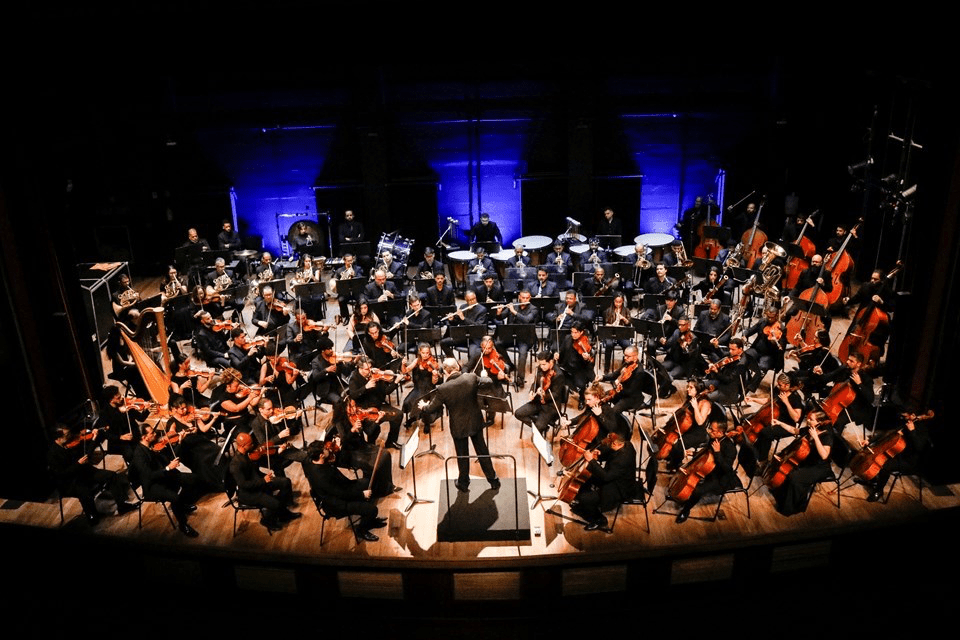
(220, 278)
(266, 427)
(442, 294)
(659, 281)
(916, 435)
(666, 314)
(358, 322)
(211, 344)
(287, 382)
(630, 383)
(161, 479)
(519, 259)
(731, 376)
(194, 240)
(265, 270)
(490, 293)
(274, 495)
(381, 351)
(576, 358)
(190, 435)
(347, 272)
(302, 338)
(429, 267)
(568, 311)
(716, 283)
(228, 239)
(608, 418)
(810, 356)
(339, 495)
(416, 318)
(123, 299)
(491, 364)
(172, 285)
(546, 395)
(191, 380)
(245, 354)
(593, 256)
(809, 278)
(359, 449)
(594, 286)
(860, 411)
(470, 313)
(269, 313)
(767, 348)
(702, 411)
(395, 271)
(520, 312)
(75, 475)
(381, 289)
(789, 409)
(426, 374)
(723, 477)
(543, 287)
(560, 258)
(793, 495)
(369, 391)
(714, 322)
(120, 422)
(613, 479)
(326, 371)
(235, 400)
(480, 265)
(683, 357)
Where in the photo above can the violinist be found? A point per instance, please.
(767, 348)
(340, 495)
(327, 370)
(492, 364)
(860, 410)
(245, 354)
(302, 338)
(715, 323)
(616, 315)
(683, 351)
(161, 479)
(576, 357)
(288, 381)
(520, 312)
(358, 322)
(359, 446)
(440, 295)
(723, 477)
(916, 440)
(613, 479)
(212, 345)
(730, 377)
(235, 400)
(381, 289)
(630, 383)
(546, 394)
(471, 313)
(191, 380)
(794, 494)
(119, 421)
(788, 409)
(344, 294)
(269, 313)
(381, 351)
(75, 475)
(370, 391)
(189, 434)
(274, 495)
(269, 428)
(426, 374)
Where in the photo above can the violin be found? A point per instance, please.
(493, 363)
(868, 462)
(281, 414)
(268, 449)
(546, 378)
(140, 404)
(224, 325)
(384, 344)
(582, 346)
(625, 374)
(382, 374)
(313, 325)
(243, 341)
(84, 436)
(720, 364)
(686, 340)
(287, 366)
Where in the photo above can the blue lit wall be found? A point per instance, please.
(272, 171)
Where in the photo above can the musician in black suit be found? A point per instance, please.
(162, 480)
(543, 287)
(459, 395)
(613, 479)
(340, 495)
(442, 294)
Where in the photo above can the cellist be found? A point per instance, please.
(605, 414)
(723, 477)
(860, 410)
(702, 409)
(794, 494)
(916, 436)
(788, 408)
(613, 479)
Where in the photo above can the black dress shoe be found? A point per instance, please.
(396, 489)
(596, 524)
(125, 507)
(270, 524)
(495, 484)
(682, 516)
(188, 531)
(462, 488)
(367, 536)
(377, 524)
(190, 508)
(394, 445)
(874, 496)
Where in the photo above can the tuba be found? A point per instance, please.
(771, 272)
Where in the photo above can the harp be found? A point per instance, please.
(142, 343)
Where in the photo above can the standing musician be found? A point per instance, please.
(520, 312)
(471, 312)
(75, 475)
(162, 480)
(613, 479)
(547, 394)
(489, 363)
(723, 477)
(576, 357)
(459, 395)
(692, 217)
(340, 495)
(543, 287)
(304, 240)
(361, 450)
(429, 267)
(616, 315)
(808, 279)
(269, 313)
(268, 428)
(714, 322)
(228, 239)
(349, 230)
(274, 495)
(861, 410)
(610, 225)
(442, 294)
(683, 357)
(485, 231)
(630, 382)
(876, 292)
(794, 494)
(347, 272)
(426, 374)
(369, 391)
(235, 400)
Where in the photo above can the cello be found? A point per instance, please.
(866, 321)
(791, 457)
(682, 421)
(868, 462)
(797, 264)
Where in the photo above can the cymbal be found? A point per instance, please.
(246, 253)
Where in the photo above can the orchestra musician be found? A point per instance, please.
(472, 313)
(520, 312)
(120, 422)
(491, 294)
(370, 391)
(426, 374)
(519, 259)
(490, 363)
(916, 441)
(682, 348)
(429, 266)
(381, 351)
(666, 314)
(442, 294)
(794, 494)
(123, 299)
(569, 311)
(480, 265)
(730, 376)
(228, 239)
(703, 412)
(608, 418)
(194, 240)
(347, 272)
(559, 258)
(271, 493)
(350, 230)
(303, 240)
(768, 347)
(715, 323)
(860, 411)
(459, 395)
(265, 271)
(245, 354)
(327, 370)
(302, 338)
(485, 231)
(267, 427)
(75, 475)
(616, 315)
(610, 225)
(381, 289)
(789, 410)
(613, 479)
(594, 255)
(194, 431)
(543, 287)
(161, 479)
(356, 429)
(269, 313)
(417, 318)
(220, 278)
(723, 477)
(340, 495)
(576, 357)
(547, 393)
(659, 281)
(191, 380)
(593, 286)
(235, 400)
(172, 285)
(630, 383)
(713, 280)
(810, 356)
(211, 345)
(358, 322)
(395, 271)
(286, 381)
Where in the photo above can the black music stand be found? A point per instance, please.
(597, 304)
(488, 247)
(440, 313)
(579, 277)
(545, 304)
(388, 311)
(512, 285)
(702, 265)
(312, 290)
(511, 335)
(496, 405)
(466, 332)
(516, 273)
(353, 287)
(614, 332)
(279, 287)
(423, 284)
(554, 340)
(649, 328)
(358, 248)
(209, 258)
(609, 242)
(430, 336)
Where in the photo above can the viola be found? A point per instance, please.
(868, 462)
(494, 363)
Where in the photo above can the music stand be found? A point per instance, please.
(488, 247)
(390, 310)
(649, 328)
(597, 304)
(609, 242)
(496, 405)
(545, 304)
(554, 339)
(702, 265)
(517, 273)
(209, 258)
(358, 248)
(512, 285)
(511, 335)
(408, 454)
(431, 336)
(351, 287)
(466, 332)
(422, 285)
(614, 332)
(279, 286)
(545, 451)
(579, 277)
(310, 290)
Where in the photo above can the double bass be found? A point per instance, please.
(866, 321)
(840, 265)
(753, 240)
(797, 264)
